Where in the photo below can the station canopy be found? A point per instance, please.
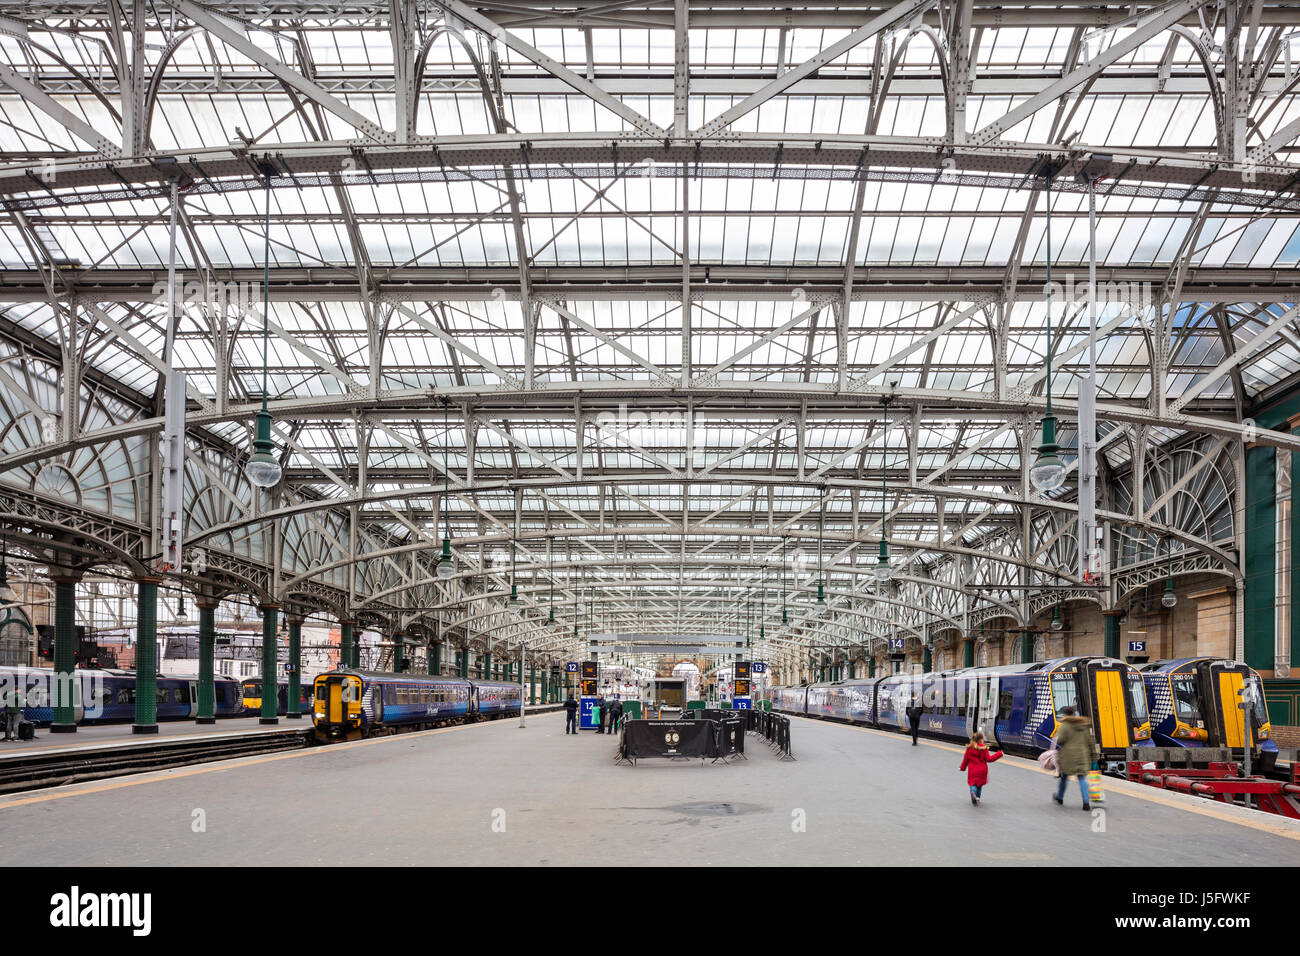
(665, 314)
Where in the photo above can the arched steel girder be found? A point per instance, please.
(1010, 161)
(951, 403)
(614, 600)
(708, 584)
(504, 537)
(612, 561)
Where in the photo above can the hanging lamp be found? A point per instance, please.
(821, 517)
(446, 563)
(1047, 473)
(262, 468)
(881, 571)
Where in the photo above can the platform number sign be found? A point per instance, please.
(758, 667)
(1137, 647)
(572, 667)
(897, 644)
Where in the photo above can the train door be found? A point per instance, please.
(1105, 692)
(982, 711)
(194, 699)
(1220, 686)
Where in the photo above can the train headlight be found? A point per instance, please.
(1182, 730)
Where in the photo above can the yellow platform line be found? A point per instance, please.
(77, 789)
(1266, 823)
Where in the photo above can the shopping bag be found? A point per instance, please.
(1095, 793)
(1049, 760)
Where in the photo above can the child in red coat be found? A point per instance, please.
(976, 764)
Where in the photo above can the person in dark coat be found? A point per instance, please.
(570, 715)
(615, 714)
(600, 714)
(914, 712)
(1078, 752)
(976, 764)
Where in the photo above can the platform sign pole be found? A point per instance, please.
(65, 653)
(293, 697)
(270, 686)
(207, 650)
(146, 659)
(523, 692)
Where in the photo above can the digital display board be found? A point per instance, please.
(589, 669)
(589, 687)
(742, 670)
(741, 688)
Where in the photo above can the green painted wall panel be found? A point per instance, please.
(1260, 531)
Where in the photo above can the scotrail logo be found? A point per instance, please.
(76, 909)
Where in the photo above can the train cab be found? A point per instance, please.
(336, 711)
(1108, 692)
(1197, 702)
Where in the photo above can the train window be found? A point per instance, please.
(1137, 699)
(1064, 693)
(1187, 701)
(1004, 706)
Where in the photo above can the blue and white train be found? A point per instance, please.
(1015, 706)
(350, 703)
(102, 696)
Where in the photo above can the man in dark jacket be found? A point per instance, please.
(570, 715)
(914, 712)
(1078, 752)
(615, 714)
(600, 714)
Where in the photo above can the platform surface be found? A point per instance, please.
(116, 735)
(493, 793)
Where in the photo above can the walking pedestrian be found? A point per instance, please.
(570, 715)
(914, 712)
(976, 764)
(1078, 752)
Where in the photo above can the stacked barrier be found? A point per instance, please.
(773, 727)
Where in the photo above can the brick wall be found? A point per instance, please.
(1286, 736)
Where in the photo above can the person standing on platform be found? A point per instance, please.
(570, 715)
(976, 764)
(615, 714)
(1078, 752)
(914, 712)
(13, 712)
(600, 714)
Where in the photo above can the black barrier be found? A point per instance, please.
(692, 737)
(667, 738)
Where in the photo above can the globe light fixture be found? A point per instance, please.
(262, 468)
(1056, 618)
(182, 616)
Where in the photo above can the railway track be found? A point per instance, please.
(37, 770)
